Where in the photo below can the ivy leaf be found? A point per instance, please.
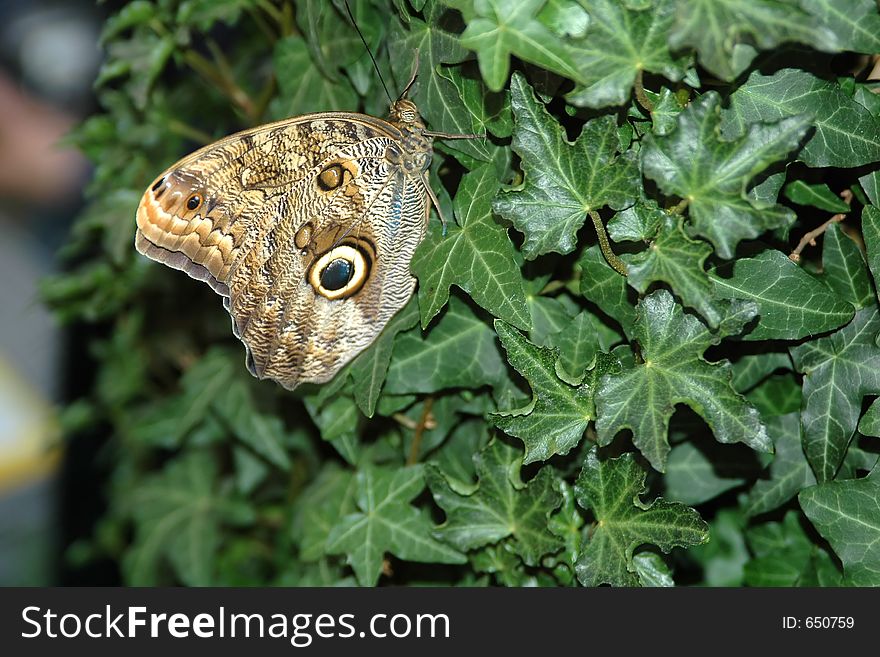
(459, 351)
(385, 522)
(619, 44)
(847, 515)
(789, 470)
(555, 419)
(692, 478)
(578, 344)
(606, 288)
(502, 28)
(178, 514)
(301, 86)
(782, 552)
(330, 496)
(674, 258)
(500, 506)
(368, 370)
(846, 134)
(845, 270)
(563, 180)
(643, 397)
(611, 489)
(855, 23)
(203, 14)
(723, 31)
(140, 60)
(839, 370)
(818, 196)
(871, 234)
(436, 96)
(476, 255)
(869, 425)
(749, 371)
(694, 163)
(792, 304)
(337, 421)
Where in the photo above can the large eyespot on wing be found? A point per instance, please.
(342, 271)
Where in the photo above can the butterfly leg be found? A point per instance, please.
(449, 135)
(436, 203)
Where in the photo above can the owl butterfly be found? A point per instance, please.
(306, 228)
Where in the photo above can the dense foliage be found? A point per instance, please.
(695, 409)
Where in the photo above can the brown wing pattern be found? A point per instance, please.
(306, 227)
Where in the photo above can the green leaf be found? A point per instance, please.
(138, 12)
(713, 174)
(302, 87)
(178, 514)
(818, 196)
(855, 23)
(437, 97)
(611, 490)
(638, 223)
(643, 397)
(692, 478)
(724, 556)
(782, 552)
(203, 14)
(577, 344)
(845, 135)
(557, 416)
(563, 180)
(476, 255)
(338, 422)
(141, 59)
(606, 288)
(329, 497)
(845, 270)
(726, 33)
(749, 371)
(502, 28)
(385, 522)
(261, 432)
(839, 370)
(458, 351)
(789, 471)
(792, 304)
(500, 506)
(674, 258)
(368, 370)
(847, 515)
(780, 394)
(871, 235)
(619, 44)
(869, 425)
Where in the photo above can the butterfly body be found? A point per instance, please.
(306, 228)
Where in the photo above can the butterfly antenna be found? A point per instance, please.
(369, 52)
(412, 76)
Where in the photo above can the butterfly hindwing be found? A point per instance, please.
(306, 227)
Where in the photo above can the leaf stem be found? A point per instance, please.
(221, 77)
(416, 445)
(616, 263)
(810, 237)
(190, 132)
(641, 96)
(680, 207)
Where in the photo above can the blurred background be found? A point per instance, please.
(49, 56)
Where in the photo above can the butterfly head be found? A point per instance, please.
(404, 112)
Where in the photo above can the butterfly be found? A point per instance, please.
(305, 227)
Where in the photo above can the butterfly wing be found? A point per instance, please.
(306, 227)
